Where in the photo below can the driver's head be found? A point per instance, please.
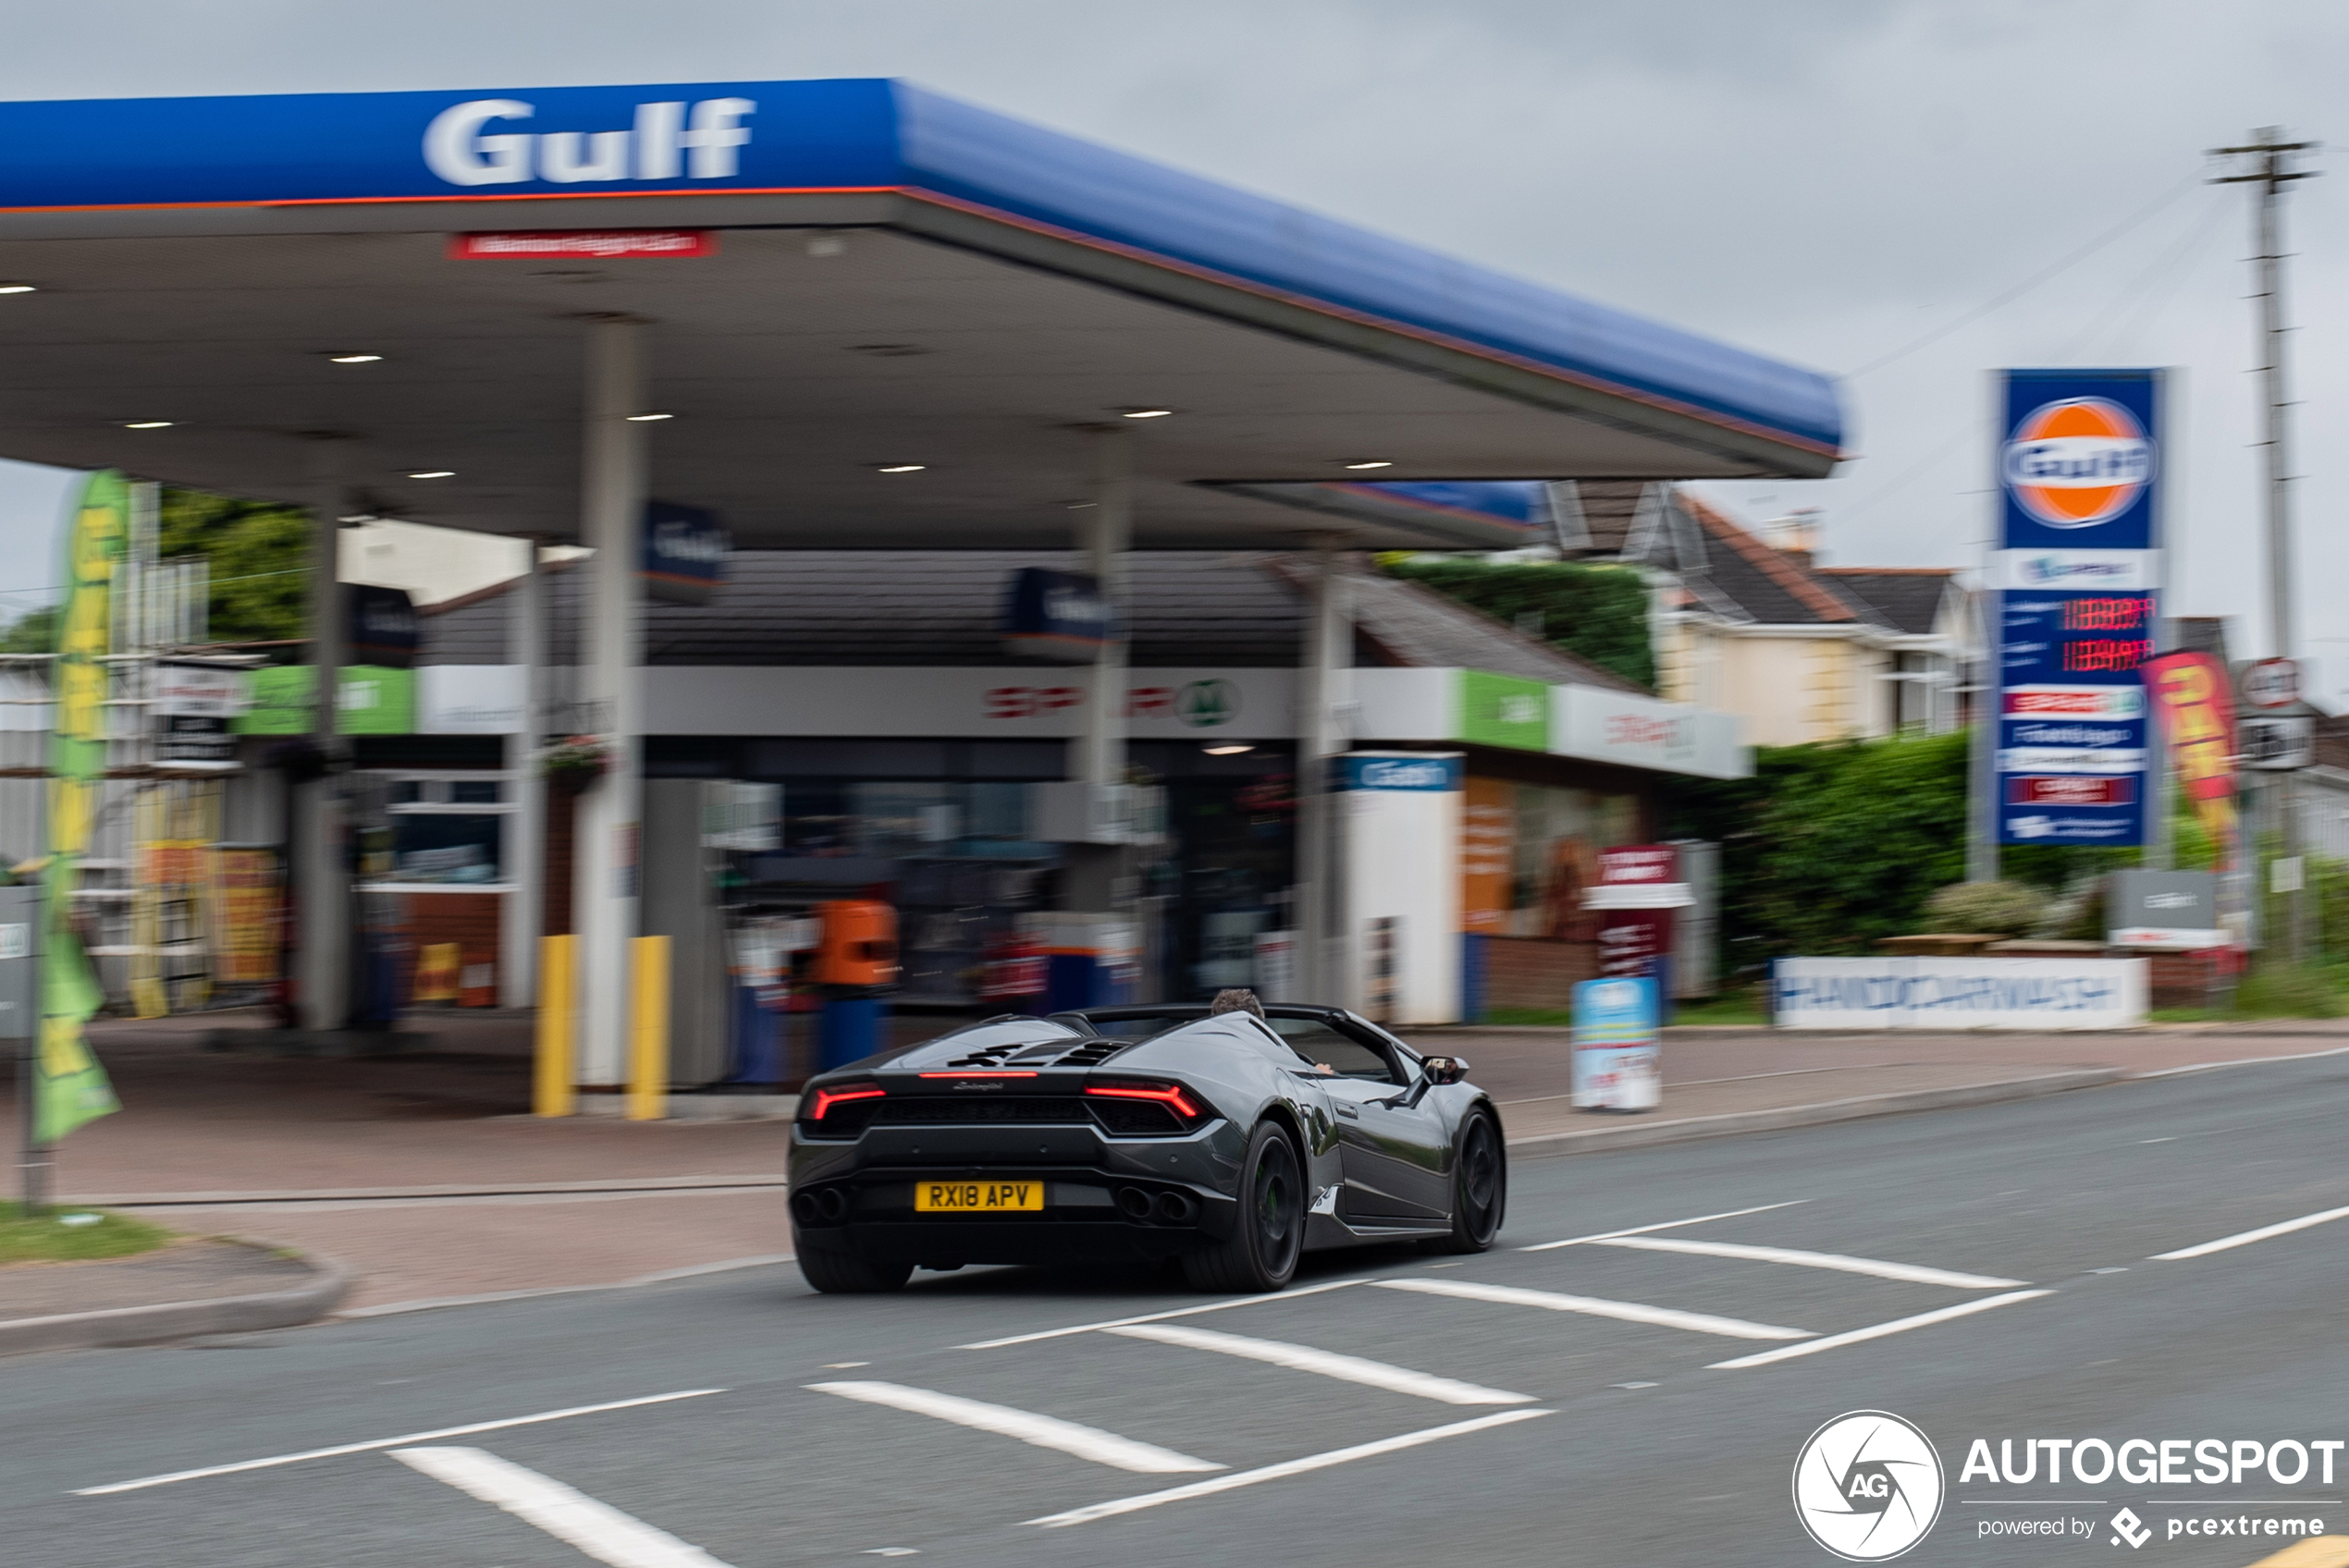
(1238, 999)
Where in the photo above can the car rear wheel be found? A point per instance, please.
(1269, 1233)
(842, 1273)
(1480, 1186)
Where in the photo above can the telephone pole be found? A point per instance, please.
(2265, 164)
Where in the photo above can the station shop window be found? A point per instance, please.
(459, 850)
(1529, 850)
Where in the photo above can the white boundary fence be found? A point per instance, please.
(1959, 993)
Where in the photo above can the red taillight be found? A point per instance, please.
(978, 1073)
(1168, 1094)
(827, 1098)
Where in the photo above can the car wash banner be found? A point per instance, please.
(2075, 582)
(69, 1087)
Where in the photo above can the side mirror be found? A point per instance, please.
(1445, 1069)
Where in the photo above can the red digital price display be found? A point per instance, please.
(2131, 612)
(2100, 654)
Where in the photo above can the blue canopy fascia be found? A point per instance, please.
(1479, 513)
(509, 148)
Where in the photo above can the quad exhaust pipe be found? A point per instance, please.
(1166, 1208)
(822, 1206)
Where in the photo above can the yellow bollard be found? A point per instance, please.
(648, 1041)
(552, 1092)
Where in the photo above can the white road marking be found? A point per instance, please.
(1627, 1311)
(1329, 1364)
(1287, 1468)
(1898, 1326)
(1915, 1274)
(1159, 1317)
(2247, 1237)
(389, 1442)
(570, 1516)
(1042, 1432)
(1666, 1225)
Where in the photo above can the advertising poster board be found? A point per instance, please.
(1618, 1062)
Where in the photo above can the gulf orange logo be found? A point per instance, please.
(2077, 463)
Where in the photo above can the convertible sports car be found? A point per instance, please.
(1232, 1142)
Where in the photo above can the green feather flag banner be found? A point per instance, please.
(69, 1087)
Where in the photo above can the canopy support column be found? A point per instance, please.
(318, 831)
(1323, 700)
(525, 848)
(1103, 534)
(607, 880)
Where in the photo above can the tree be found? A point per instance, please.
(1599, 613)
(35, 632)
(1828, 848)
(260, 555)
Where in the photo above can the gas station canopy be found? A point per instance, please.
(877, 278)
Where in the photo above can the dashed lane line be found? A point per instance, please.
(1664, 1225)
(1328, 1363)
(1287, 1468)
(342, 1449)
(1914, 1273)
(1898, 1326)
(1038, 1431)
(2283, 1228)
(570, 1516)
(1595, 1306)
(1159, 1317)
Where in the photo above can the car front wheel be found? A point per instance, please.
(1480, 1186)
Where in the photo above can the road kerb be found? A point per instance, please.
(313, 1298)
(1641, 1133)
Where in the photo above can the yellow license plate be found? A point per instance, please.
(979, 1197)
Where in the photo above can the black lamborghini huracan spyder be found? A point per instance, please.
(1232, 1142)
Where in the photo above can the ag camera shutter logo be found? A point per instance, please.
(1868, 1485)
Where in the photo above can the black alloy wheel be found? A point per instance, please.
(843, 1273)
(1480, 1186)
(1268, 1236)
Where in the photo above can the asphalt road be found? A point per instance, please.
(1598, 1430)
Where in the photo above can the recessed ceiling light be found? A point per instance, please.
(354, 358)
(434, 473)
(647, 419)
(1228, 749)
(1146, 413)
(900, 468)
(17, 289)
(147, 425)
(1382, 463)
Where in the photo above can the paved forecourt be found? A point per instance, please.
(1626, 1378)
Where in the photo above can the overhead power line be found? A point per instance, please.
(2054, 270)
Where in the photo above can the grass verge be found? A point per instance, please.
(1737, 1008)
(47, 1239)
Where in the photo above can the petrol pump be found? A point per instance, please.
(856, 968)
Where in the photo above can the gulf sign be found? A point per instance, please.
(2079, 460)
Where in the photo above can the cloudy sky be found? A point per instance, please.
(1903, 184)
